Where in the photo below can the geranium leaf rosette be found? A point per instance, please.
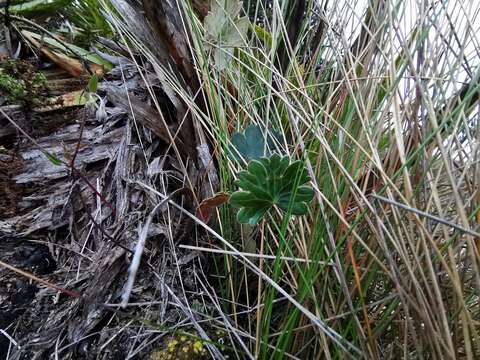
(268, 182)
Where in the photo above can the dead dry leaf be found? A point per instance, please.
(206, 207)
(70, 64)
(71, 99)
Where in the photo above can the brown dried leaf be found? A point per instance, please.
(206, 207)
(201, 7)
(73, 66)
(71, 99)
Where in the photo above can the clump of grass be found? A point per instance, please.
(88, 22)
(380, 101)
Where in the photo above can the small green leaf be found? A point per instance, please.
(263, 35)
(53, 159)
(302, 194)
(93, 83)
(244, 199)
(298, 208)
(36, 7)
(257, 169)
(251, 216)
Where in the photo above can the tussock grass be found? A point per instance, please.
(380, 100)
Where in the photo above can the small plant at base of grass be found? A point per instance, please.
(253, 144)
(269, 182)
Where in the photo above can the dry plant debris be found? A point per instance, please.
(72, 218)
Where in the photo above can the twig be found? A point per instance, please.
(142, 238)
(252, 255)
(427, 215)
(48, 156)
(31, 276)
(99, 226)
(11, 339)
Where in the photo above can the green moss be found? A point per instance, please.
(39, 79)
(20, 84)
(180, 347)
(13, 89)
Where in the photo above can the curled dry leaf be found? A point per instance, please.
(204, 210)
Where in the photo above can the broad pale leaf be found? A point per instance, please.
(224, 31)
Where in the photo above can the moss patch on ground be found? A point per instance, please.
(181, 347)
(21, 84)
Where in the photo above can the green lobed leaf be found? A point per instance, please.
(271, 181)
(253, 144)
(221, 12)
(249, 145)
